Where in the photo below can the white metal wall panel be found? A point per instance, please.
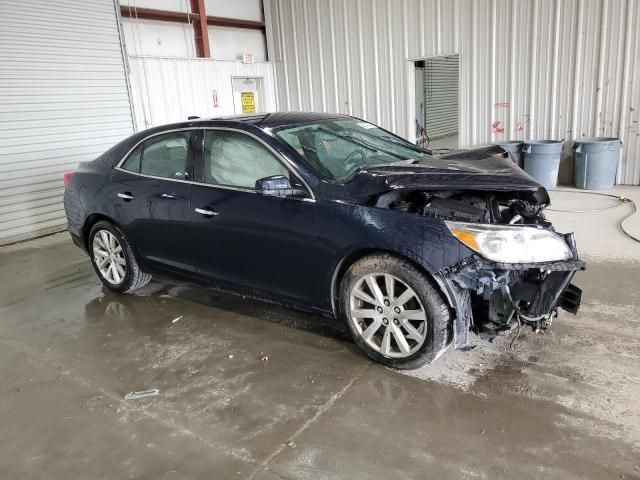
(63, 100)
(166, 90)
(562, 69)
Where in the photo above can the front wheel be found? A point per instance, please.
(113, 259)
(394, 313)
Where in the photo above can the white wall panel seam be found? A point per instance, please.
(334, 66)
(392, 86)
(296, 55)
(376, 63)
(321, 65)
(360, 55)
(604, 14)
(492, 82)
(622, 167)
(307, 37)
(347, 49)
(409, 130)
(283, 58)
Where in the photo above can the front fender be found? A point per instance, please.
(353, 231)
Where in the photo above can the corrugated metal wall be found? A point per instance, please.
(543, 68)
(63, 100)
(166, 90)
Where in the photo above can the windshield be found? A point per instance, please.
(337, 148)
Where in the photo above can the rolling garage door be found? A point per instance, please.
(441, 96)
(63, 100)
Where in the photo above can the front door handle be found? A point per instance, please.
(169, 196)
(126, 196)
(206, 212)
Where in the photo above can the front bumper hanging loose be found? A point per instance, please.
(492, 297)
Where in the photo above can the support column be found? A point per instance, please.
(200, 32)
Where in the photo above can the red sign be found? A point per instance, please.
(215, 99)
(497, 127)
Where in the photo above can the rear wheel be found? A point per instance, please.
(394, 313)
(113, 259)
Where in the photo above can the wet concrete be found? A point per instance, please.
(249, 390)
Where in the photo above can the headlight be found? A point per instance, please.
(511, 243)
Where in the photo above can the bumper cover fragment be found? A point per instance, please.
(537, 289)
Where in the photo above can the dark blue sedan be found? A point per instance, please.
(332, 215)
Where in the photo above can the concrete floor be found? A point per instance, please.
(252, 391)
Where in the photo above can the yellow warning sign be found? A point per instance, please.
(248, 102)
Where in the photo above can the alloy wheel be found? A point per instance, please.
(109, 257)
(388, 315)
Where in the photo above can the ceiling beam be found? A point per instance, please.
(235, 23)
(182, 17)
(154, 14)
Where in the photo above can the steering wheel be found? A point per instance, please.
(350, 162)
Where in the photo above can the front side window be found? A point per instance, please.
(339, 147)
(164, 156)
(234, 159)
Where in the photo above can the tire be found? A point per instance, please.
(425, 301)
(125, 276)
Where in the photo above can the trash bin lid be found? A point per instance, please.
(543, 147)
(597, 144)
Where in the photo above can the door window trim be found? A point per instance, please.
(145, 139)
(198, 156)
(284, 161)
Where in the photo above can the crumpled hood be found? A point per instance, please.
(487, 168)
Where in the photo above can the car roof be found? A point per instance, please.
(271, 120)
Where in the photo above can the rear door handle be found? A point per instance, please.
(169, 196)
(126, 196)
(206, 212)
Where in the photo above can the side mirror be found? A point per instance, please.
(279, 186)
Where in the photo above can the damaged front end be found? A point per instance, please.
(516, 270)
(493, 298)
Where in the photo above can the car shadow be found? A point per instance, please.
(145, 301)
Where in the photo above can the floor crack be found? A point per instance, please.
(266, 464)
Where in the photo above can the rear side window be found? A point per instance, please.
(132, 163)
(165, 156)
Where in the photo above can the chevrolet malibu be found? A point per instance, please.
(332, 215)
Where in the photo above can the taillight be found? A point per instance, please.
(67, 179)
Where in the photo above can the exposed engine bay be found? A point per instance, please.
(493, 297)
(481, 207)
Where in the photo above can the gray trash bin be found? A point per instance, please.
(514, 147)
(542, 161)
(596, 162)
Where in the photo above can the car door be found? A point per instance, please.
(151, 193)
(263, 242)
